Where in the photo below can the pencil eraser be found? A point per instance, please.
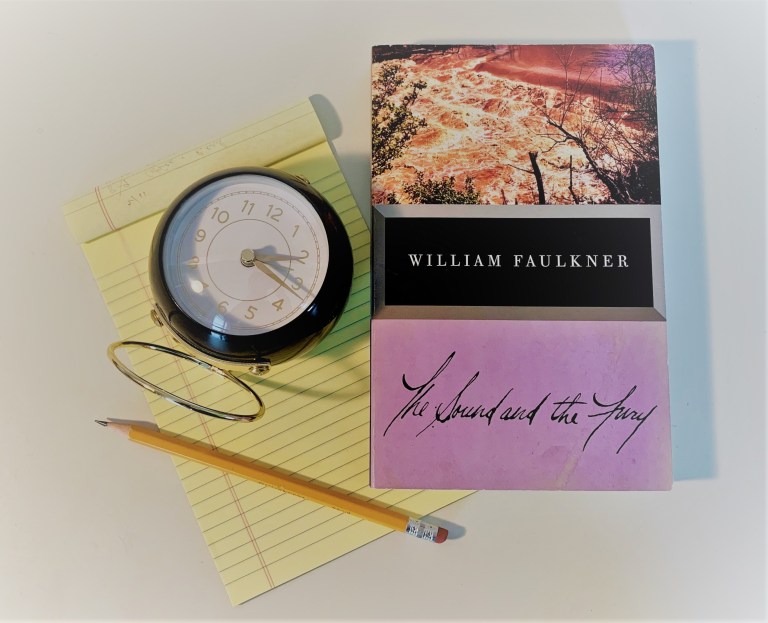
(442, 534)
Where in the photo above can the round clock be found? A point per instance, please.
(248, 268)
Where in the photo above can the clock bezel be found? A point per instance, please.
(286, 341)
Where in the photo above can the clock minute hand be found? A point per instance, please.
(247, 259)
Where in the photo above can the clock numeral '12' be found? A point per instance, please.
(274, 212)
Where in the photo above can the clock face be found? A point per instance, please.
(244, 255)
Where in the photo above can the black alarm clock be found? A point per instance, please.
(248, 268)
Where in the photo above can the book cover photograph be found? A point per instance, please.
(518, 337)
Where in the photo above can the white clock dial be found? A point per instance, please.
(245, 255)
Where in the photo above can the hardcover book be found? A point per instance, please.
(518, 333)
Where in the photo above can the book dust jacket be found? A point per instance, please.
(519, 332)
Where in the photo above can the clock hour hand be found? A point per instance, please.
(269, 257)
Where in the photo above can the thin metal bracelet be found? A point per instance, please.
(178, 400)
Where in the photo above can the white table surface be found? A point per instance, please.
(93, 90)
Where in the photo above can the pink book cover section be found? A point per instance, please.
(508, 404)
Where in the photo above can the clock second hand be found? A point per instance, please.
(249, 258)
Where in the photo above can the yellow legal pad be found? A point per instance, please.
(317, 420)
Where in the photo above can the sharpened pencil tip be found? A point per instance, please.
(102, 422)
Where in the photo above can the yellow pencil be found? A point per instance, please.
(316, 493)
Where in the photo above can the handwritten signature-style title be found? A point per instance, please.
(599, 411)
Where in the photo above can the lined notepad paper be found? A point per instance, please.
(317, 421)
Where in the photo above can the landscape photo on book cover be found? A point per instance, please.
(514, 124)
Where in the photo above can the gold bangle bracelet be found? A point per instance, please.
(179, 400)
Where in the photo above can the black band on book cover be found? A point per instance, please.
(553, 262)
